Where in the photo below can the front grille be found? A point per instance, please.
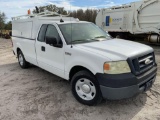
(143, 63)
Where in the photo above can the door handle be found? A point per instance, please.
(43, 48)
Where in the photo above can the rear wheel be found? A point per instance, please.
(119, 35)
(22, 62)
(85, 88)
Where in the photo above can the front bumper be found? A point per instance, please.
(126, 85)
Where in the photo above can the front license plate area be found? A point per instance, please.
(148, 85)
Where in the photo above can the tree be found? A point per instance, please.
(73, 14)
(85, 15)
(8, 26)
(80, 14)
(2, 22)
(51, 8)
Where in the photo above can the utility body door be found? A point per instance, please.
(49, 57)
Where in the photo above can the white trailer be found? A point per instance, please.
(141, 17)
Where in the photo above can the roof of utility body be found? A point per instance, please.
(66, 20)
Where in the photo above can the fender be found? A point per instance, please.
(18, 45)
(92, 67)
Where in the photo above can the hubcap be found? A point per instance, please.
(85, 89)
(20, 59)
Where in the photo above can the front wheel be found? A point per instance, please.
(85, 88)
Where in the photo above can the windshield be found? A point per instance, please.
(83, 33)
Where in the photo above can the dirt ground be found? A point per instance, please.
(35, 94)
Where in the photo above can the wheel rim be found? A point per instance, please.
(85, 89)
(118, 36)
(20, 59)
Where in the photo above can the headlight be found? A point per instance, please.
(118, 67)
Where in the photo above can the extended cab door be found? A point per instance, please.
(49, 57)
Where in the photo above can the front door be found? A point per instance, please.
(49, 57)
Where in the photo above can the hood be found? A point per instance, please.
(116, 49)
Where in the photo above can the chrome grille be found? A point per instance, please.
(143, 63)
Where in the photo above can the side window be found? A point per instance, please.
(41, 35)
(52, 32)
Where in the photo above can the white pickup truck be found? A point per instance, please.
(97, 65)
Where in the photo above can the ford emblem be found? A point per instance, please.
(147, 61)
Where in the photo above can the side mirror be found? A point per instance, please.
(53, 42)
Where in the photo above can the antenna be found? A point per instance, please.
(37, 9)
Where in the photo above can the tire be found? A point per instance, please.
(85, 88)
(120, 36)
(22, 62)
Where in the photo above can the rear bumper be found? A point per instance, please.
(127, 85)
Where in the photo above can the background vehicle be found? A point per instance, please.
(138, 18)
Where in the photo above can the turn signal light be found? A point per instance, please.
(106, 66)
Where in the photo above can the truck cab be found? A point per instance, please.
(97, 66)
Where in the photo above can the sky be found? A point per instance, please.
(14, 8)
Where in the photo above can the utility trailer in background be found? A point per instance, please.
(137, 18)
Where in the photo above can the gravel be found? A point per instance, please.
(35, 94)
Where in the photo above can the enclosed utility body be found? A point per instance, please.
(25, 31)
(141, 17)
(96, 65)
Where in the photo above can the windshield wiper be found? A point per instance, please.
(85, 40)
(94, 40)
(79, 40)
(100, 37)
(107, 38)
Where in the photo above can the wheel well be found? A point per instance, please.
(18, 49)
(76, 69)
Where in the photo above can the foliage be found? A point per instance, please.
(51, 8)
(84, 15)
(8, 26)
(2, 20)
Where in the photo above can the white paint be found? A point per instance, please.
(126, 18)
(89, 55)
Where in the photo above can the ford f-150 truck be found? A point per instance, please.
(96, 65)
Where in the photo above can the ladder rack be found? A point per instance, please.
(42, 14)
